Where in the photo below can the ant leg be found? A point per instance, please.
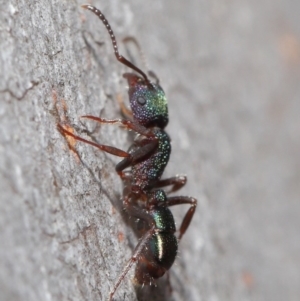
(138, 155)
(128, 124)
(137, 211)
(126, 177)
(179, 200)
(130, 159)
(106, 148)
(177, 182)
(144, 215)
(138, 250)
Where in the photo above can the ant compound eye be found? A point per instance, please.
(141, 100)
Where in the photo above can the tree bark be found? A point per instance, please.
(231, 74)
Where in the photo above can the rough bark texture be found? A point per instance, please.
(231, 73)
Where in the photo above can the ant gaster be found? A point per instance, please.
(147, 159)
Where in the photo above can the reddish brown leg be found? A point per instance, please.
(128, 124)
(125, 176)
(140, 154)
(137, 252)
(130, 159)
(179, 200)
(144, 215)
(106, 148)
(177, 182)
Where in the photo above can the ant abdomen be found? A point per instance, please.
(161, 249)
(157, 258)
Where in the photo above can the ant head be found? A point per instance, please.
(147, 101)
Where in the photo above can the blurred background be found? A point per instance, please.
(231, 72)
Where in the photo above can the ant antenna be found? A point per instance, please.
(119, 57)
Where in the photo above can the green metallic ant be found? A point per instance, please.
(141, 170)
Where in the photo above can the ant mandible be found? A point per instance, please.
(147, 158)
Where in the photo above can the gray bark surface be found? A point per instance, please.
(231, 71)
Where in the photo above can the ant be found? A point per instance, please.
(147, 158)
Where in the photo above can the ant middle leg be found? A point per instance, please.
(180, 200)
(177, 182)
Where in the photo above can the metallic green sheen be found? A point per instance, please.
(156, 101)
(154, 108)
(147, 172)
(159, 195)
(163, 219)
(164, 247)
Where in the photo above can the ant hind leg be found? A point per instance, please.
(179, 200)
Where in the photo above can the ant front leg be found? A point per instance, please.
(178, 182)
(128, 124)
(106, 148)
(142, 152)
(179, 200)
